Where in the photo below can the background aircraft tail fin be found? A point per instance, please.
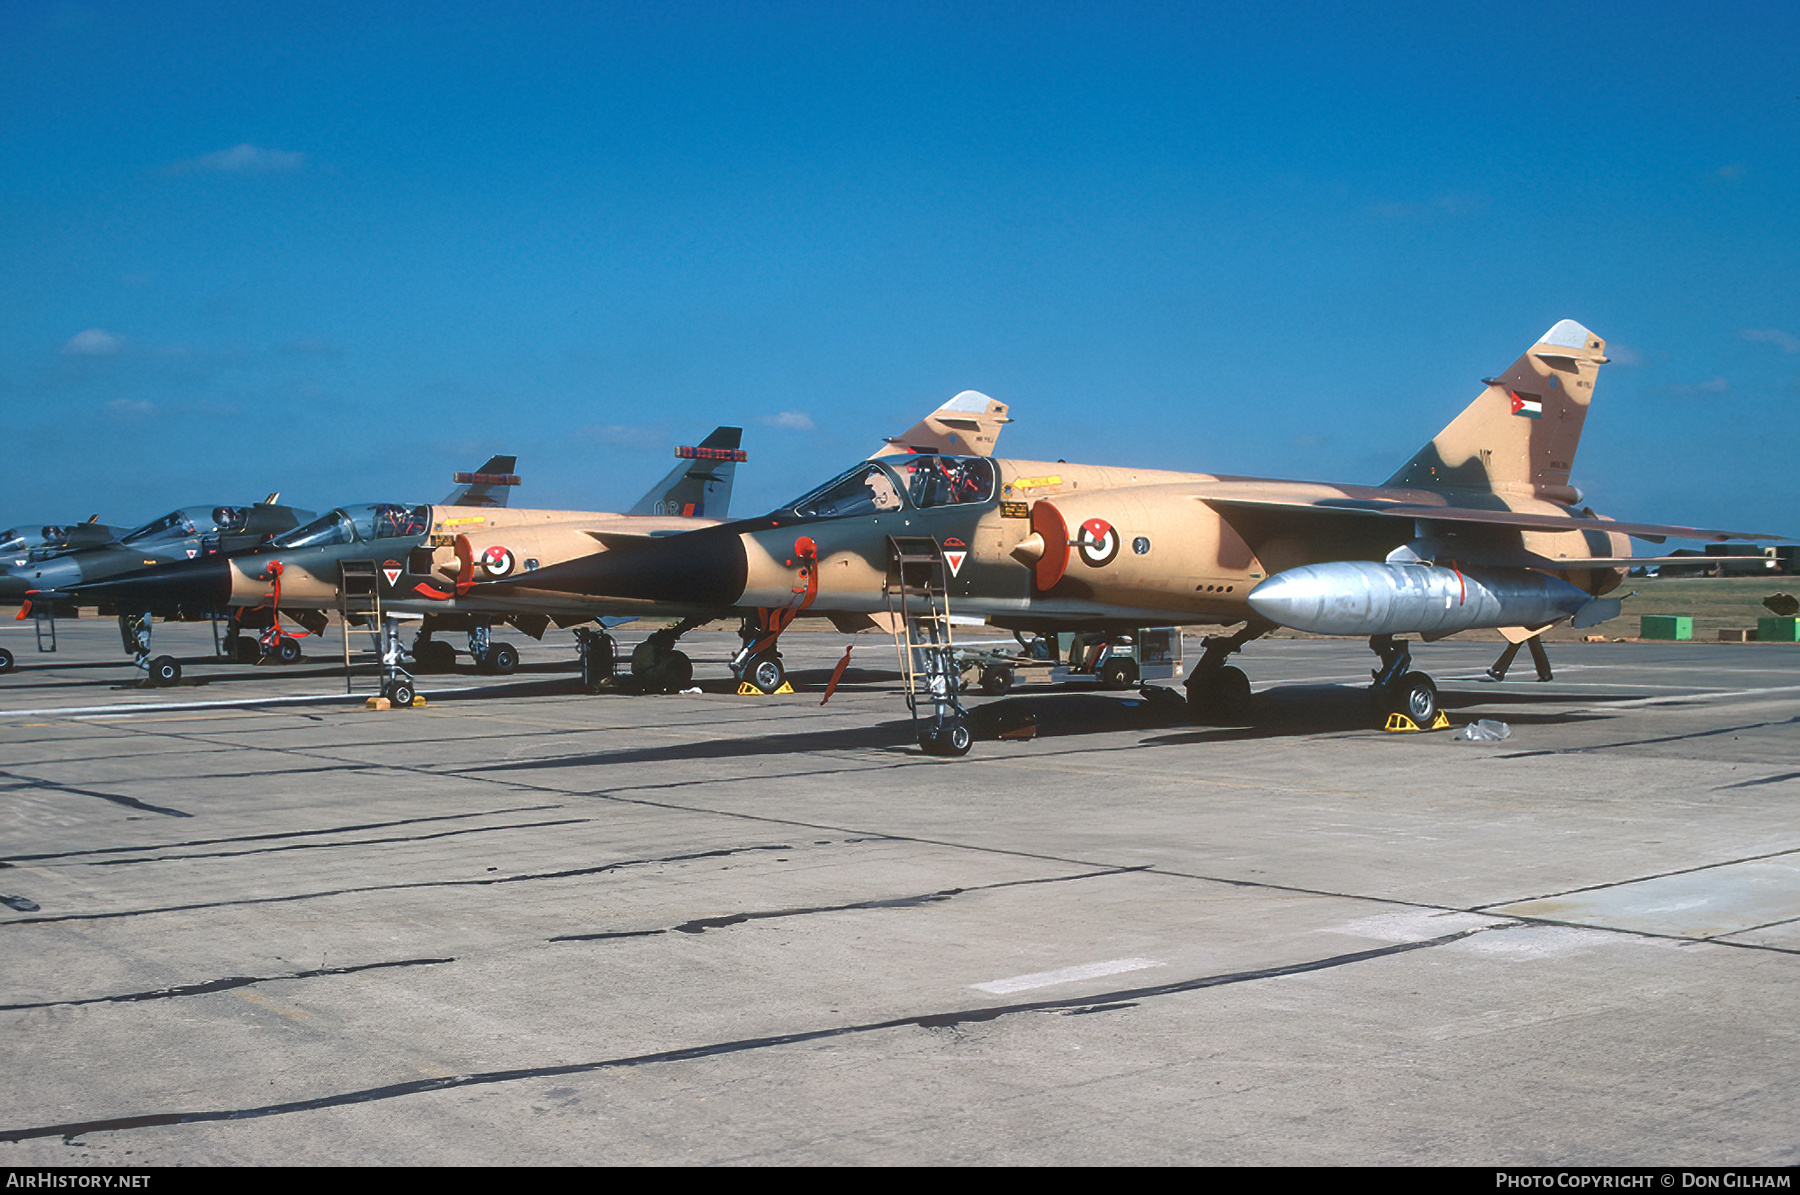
(700, 486)
(489, 485)
(1520, 435)
(967, 425)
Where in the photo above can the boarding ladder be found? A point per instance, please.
(358, 596)
(918, 602)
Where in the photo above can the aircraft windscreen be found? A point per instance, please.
(933, 480)
(867, 489)
(387, 520)
(174, 525)
(12, 540)
(333, 528)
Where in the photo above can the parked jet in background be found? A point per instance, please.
(20, 545)
(1480, 529)
(370, 547)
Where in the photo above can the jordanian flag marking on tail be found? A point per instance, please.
(1528, 405)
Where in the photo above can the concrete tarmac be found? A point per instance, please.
(247, 921)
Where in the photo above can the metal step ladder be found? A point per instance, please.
(359, 595)
(918, 599)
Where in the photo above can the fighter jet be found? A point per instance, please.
(434, 574)
(186, 534)
(21, 545)
(202, 538)
(364, 548)
(1479, 529)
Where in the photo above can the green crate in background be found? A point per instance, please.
(1778, 630)
(1665, 626)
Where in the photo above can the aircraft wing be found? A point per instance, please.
(1225, 496)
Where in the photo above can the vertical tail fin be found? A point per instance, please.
(967, 425)
(699, 487)
(1520, 435)
(489, 485)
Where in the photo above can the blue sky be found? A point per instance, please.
(344, 250)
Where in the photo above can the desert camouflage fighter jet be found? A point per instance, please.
(445, 553)
(1479, 529)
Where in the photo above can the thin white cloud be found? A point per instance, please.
(620, 434)
(1455, 203)
(132, 408)
(793, 421)
(1784, 341)
(243, 159)
(1699, 389)
(95, 342)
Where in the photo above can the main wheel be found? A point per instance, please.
(952, 738)
(400, 693)
(1119, 674)
(674, 673)
(1219, 695)
(996, 681)
(246, 650)
(1416, 696)
(164, 671)
(6, 660)
(766, 673)
(502, 658)
(287, 650)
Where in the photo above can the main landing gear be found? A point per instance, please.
(159, 672)
(1398, 689)
(491, 655)
(1218, 693)
(599, 656)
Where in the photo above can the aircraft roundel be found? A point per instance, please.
(1098, 543)
(497, 561)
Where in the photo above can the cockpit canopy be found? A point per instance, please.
(350, 524)
(922, 481)
(177, 524)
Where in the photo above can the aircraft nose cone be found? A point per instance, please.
(194, 584)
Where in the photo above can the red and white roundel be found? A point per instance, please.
(497, 561)
(1097, 542)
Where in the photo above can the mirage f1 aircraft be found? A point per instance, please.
(1479, 529)
(430, 560)
(114, 581)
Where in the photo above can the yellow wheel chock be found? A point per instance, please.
(746, 689)
(1401, 724)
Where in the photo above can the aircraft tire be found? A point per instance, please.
(766, 673)
(400, 694)
(996, 682)
(502, 659)
(245, 650)
(1416, 696)
(6, 660)
(1220, 695)
(287, 650)
(674, 672)
(951, 739)
(1119, 674)
(164, 671)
